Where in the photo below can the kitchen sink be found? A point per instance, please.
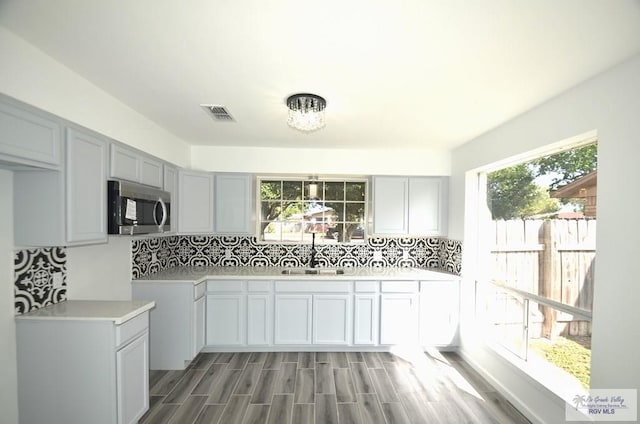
(313, 271)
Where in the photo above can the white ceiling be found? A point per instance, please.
(408, 73)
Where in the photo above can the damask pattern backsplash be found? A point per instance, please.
(40, 278)
(155, 254)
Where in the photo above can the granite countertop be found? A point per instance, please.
(197, 274)
(118, 311)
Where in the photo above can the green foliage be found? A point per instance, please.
(570, 165)
(511, 193)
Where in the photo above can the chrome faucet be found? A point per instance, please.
(312, 258)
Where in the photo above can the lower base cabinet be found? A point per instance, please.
(366, 319)
(293, 319)
(259, 319)
(177, 330)
(399, 319)
(331, 319)
(78, 371)
(225, 319)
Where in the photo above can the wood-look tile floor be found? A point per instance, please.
(326, 388)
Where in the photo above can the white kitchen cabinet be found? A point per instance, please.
(366, 318)
(66, 207)
(170, 185)
(225, 319)
(131, 165)
(439, 313)
(195, 202)
(414, 206)
(28, 136)
(259, 319)
(331, 319)
(177, 323)
(93, 364)
(233, 204)
(199, 324)
(132, 376)
(390, 201)
(399, 312)
(86, 188)
(293, 319)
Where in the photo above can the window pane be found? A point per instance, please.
(355, 191)
(334, 191)
(337, 210)
(270, 210)
(355, 212)
(312, 190)
(271, 231)
(270, 190)
(292, 190)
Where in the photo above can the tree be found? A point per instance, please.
(511, 193)
(569, 165)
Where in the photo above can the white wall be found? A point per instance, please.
(101, 271)
(29, 75)
(8, 365)
(608, 104)
(322, 161)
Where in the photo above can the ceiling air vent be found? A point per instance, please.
(219, 113)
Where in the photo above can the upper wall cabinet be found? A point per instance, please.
(414, 206)
(233, 204)
(128, 164)
(195, 202)
(28, 136)
(171, 186)
(68, 206)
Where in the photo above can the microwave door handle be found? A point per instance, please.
(164, 213)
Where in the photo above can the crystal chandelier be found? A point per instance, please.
(306, 112)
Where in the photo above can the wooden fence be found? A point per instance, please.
(551, 258)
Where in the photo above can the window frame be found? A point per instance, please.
(304, 181)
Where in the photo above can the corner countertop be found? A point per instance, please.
(198, 274)
(118, 311)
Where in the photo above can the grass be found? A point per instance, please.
(566, 354)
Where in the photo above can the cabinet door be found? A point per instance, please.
(132, 380)
(233, 205)
(390, 201)
(195, 202)
(27, 134)
(125, 164)
(426, 196)
(331, 319)
(439, 313)
(399, 319)
(365, 319)
(151, 172)
(86, 187)
(171, 185)
(225, 319)
(259, 319)
(198, 326)
(293, 319)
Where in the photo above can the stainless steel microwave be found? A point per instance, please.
(137, 209)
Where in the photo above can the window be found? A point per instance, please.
(293, 209)
(541, 250)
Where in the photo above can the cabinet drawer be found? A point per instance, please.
(399, 287)
(314, 286)
(366, 286)
(131, 328)
(199, 290)
(218, 286)
(259, 286)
